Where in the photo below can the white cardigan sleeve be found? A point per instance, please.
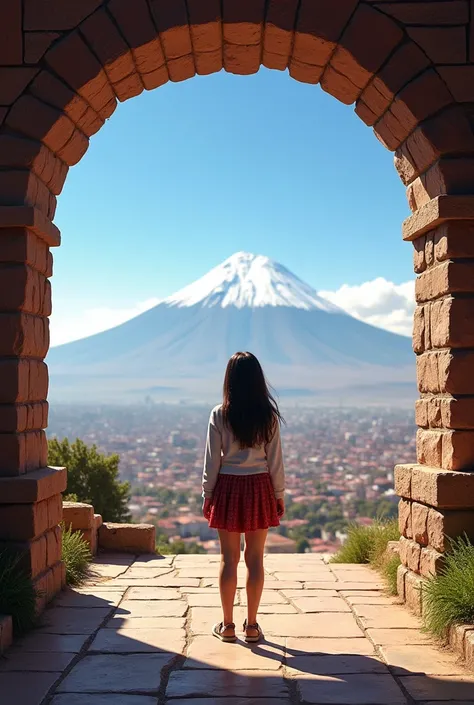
(275, 463)
(212, 457)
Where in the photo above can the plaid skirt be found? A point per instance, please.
(243, 503)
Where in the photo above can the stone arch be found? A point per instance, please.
(406, 67)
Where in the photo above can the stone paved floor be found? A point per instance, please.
(138, 634)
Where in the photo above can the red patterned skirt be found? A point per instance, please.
(243, 503)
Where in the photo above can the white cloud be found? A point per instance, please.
(93, 320)
(379, 302)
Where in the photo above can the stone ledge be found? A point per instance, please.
(6, 632)
(33, 486)
(445, 489)
(436, 212)
(33, 219)
(461, 640)
(128, 538)
(78, 515)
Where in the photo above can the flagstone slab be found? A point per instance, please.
(132, 640)
(334, 664)
(222, 684)
(353, 576)
(205, 599)
(113, 673)
(157, 608)
(374, 599)
(277, 609)
(422, 659)
(102, 699)
(283, 585)
(34, 661)
(320, 585)
(69, 620)
(382, 616)
(310, 593)
(125, 622)
(314, 625)
(350, 689)
(209, 652)
(398, 636)
(304, 576)
(269, 597)
(25, 688)
(319, 604)
(35, 642)
(421, 688)
(302, 647)
(164, 582)
(153, 593)
(98, 598)
(138, 573)
(203, 618)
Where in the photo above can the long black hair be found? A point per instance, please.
(248, 408)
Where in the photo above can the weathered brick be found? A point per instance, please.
(108, 45)
(22, 380)
(24, 335)
(278, 32)
(419, 515)
(441, 488)
(469, 649)
(419, 329)
(444, 525)
(431, 562)
(53, 545)
(34, 487)
(13, 81)
(11, 40)
(403, 550)
(427, 373)
(57, 15)
(35, 119)
(22, 522)
(457, 413)
(449, 12)
(446, 278)
(452, 323)
(48, 584)
(78, 515)
(458, 450)
(413, 553)
(419, 262)
(128, 538)
(434, 413)
(24, 289)
(71, 59)
(421, 413)
(404, 518)
(454, 241)
(403, 474)
(36, 44)
(17, 418)
(456, 371)
(22, 452)
(413, 592)
(425, 95)
(443, 45)
(141, 34)
(429, 447)
(32, 554)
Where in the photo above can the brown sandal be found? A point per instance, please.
(218, 629)
(252, 639)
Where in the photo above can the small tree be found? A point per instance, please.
(92, 477)
(302, 545)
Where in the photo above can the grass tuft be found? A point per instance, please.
(76, 556)
(17, 593)
(389, 571)
(367, 544)
(448, 598)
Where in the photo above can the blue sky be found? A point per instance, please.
(184, 176)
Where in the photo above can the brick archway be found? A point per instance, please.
(406, 66)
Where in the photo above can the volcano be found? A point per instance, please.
(178, 350)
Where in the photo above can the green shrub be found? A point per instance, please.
(448, 598)
(92, 477)
(368, 544)
(17, 593)
(76, 556)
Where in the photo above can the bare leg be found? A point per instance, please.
(254, 548)
(230, 556)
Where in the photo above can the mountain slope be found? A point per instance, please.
(248, 302)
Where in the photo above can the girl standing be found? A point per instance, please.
(243, 484)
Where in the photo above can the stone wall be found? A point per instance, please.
(435, 506)
(110, 537)
(30, 513)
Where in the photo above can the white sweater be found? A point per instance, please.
(224, 454)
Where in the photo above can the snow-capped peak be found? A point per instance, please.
(247, 280)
